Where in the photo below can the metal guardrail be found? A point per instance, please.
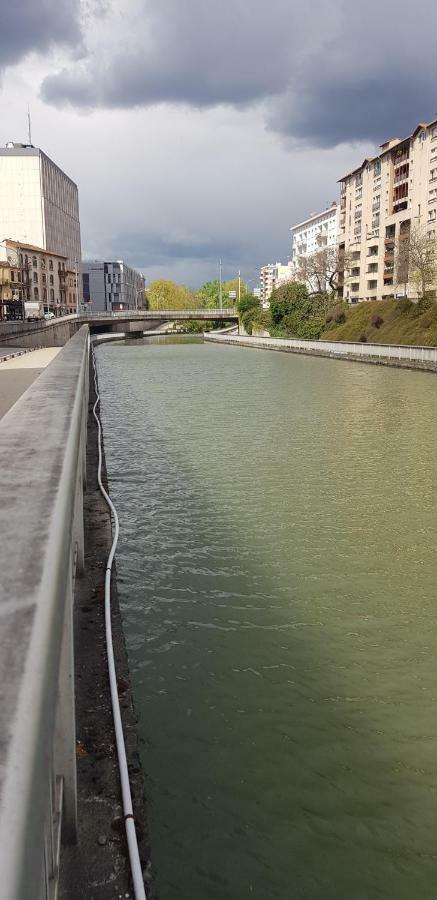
(407, 352)
(43, 452)
(162, 314)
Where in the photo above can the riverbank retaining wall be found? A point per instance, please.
(403, 356)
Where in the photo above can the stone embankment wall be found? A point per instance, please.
(403, 356)
(38, 334)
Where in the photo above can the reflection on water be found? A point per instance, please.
(277, 574)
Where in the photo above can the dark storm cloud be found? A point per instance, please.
(196, 52)
(36, 25)
(326, 72)
(150, 248)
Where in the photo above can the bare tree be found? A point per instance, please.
(322, 269)
(416, 260)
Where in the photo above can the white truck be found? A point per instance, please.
(32, 310)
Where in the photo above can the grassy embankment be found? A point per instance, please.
(386, 322)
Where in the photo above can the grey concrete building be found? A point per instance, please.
(112, 285)
(39, 203)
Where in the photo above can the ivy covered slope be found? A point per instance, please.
(384, 322)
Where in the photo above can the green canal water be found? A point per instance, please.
(277, 573)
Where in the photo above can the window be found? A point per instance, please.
(432, 213)
(35, 293)
(35, 278)
(422, 135)
(51, 265)
(52, 295)
(377, 168)
(34, 262)
(433, 174)
(51, 279)
(432, 197)
(371, 285)
(44, 278)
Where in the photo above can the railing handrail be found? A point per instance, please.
(156, 313)
(402, 351)
(43, 438)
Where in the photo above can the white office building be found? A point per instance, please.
(39, 203)
(112, 286)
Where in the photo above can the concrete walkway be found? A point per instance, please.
(16, 375)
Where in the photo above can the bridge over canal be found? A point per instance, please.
(56, 332)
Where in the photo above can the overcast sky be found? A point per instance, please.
(204, 128)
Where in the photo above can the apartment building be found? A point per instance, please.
(10, 300)
(318, 231)
(39, 203)
(40, 277)
(380, 202)
(271, 277)
(112, 286)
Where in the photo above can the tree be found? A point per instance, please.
(209, 293)
(287, 299)
(322, 269)
(416, 260)
(166, 294)
(247, 301)
(296, 313)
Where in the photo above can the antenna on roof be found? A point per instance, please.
(28, 124)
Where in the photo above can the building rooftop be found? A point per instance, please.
(313, 216)
(14, 148)
(21, 246)
(389, 145)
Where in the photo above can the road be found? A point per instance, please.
(16, 375)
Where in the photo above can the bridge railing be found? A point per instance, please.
(42, 447)
(161, 313)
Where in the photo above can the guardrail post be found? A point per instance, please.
(65, 734)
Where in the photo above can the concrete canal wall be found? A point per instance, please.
(403, 356)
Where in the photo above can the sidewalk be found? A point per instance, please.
(18, 373)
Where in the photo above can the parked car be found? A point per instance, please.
(49, 315)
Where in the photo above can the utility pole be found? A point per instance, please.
(220, 277)
(239, 286)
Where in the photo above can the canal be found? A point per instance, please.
(277, 574)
